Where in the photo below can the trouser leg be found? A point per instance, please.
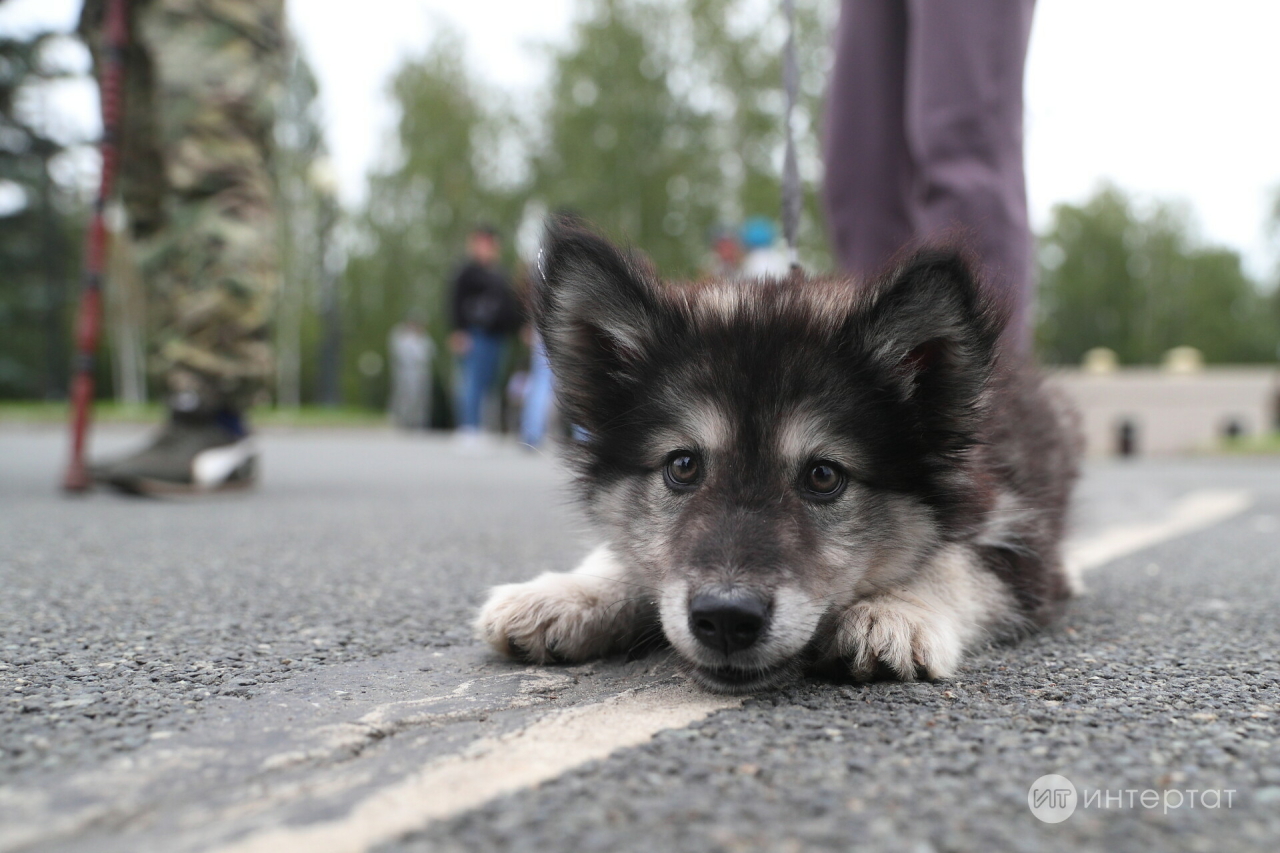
(210, 257)
(964, 115)
(480, 369)
(469, 393)
(868, 181)
(537, 404)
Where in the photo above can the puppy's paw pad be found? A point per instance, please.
(555, 618)
(883, 636)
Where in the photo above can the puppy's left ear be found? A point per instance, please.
(930, 324)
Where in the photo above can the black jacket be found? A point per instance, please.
(483, 299)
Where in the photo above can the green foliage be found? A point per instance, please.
(307, 211)
(409, 238)
(623, 150)
(666, 119)
(1273, 231)
(661, 119)
(737, 64)
(1140, 283)
(40, 227)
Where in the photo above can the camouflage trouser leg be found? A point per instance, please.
(206, 241)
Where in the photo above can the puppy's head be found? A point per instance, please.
(765, 453)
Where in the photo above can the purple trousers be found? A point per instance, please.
(924, 138)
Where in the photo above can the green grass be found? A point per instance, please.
(319, 416)
(1253, 444)
(28, 412)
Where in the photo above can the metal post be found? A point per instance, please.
(89, 321)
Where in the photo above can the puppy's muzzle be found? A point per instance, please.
(727, 623)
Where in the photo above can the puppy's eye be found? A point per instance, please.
(824, 480)
(682, 470)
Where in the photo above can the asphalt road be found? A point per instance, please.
(239, 671)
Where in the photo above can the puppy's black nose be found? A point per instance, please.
(727, 624)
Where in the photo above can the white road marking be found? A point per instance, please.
(492, 767)
(1192, 512)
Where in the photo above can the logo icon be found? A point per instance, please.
(1052, 798)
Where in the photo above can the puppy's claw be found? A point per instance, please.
(515, 651)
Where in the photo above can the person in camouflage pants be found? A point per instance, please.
(202, 78)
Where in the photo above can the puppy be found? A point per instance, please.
(793, 475)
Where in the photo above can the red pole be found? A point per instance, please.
(89, 317)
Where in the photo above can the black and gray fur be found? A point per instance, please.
(955, 469)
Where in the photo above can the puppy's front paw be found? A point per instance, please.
(554, 618)
(907, 639)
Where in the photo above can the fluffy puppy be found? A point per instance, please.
(793, 474)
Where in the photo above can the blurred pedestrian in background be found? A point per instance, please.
(411, 354)
(763, 258)
(539, 394)
(726, 248)
(924, 137)
(201, 84)
(485, 314)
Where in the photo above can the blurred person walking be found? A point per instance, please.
(412, 352)
(725, 261)
(763, 258)
(924, 137)
(485, 314)
(539, 394)
(201, 83)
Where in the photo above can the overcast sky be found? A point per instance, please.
(1167, 98)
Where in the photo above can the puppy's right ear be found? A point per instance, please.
(596, 310)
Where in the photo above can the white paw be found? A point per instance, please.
(554, 618)
(907, 639)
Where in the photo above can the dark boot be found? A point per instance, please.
(193, 453)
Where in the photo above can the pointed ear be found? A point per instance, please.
(596, 311)
(935, 330)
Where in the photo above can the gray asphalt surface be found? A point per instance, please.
(1164, 677)
(173, 674)
(121, 612)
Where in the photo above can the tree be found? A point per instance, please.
(303, 197)
(662, 119)
(1273, 231)
(1142, 283)
(407, 240)
(735, 62)
(621, 148)
(41, 219)
(667, 117)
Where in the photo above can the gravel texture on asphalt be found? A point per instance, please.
(1166, 677)
(120, 616)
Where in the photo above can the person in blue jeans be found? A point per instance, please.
(485, 314)
(538, 396)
